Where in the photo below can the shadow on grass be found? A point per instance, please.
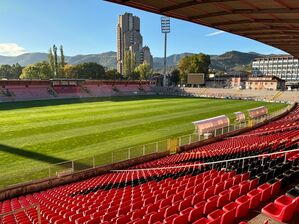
(41, 157)
(57, 102)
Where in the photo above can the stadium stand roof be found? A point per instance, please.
(273, 22)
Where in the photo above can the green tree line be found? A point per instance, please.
(56, 67)
(197, 63)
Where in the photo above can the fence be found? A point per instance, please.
(60, 169)
(226, 162)
(23, 209)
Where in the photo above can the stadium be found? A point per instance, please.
(132, 151)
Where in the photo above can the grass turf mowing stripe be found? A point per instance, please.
(98, 129)
(76, 117)
(113, 118)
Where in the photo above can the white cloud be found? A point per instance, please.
(215, 33)
(11, 49)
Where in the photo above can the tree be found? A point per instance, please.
(17, 70)
(113, 75)
(69, 71)
(55, 61)
(144, 70)
(175, 76)
(10, 71)
(129, 63)
(62, 62)
(134, 75)
(51, 61)
(40, 70)
(88, 70)
(197, 63)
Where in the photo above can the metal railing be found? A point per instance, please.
(23, 209)
(262, 156)
(64, 168)
(67, 167)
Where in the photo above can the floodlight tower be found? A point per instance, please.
(165, 28)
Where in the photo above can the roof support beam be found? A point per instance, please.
(285, 38)
(191, 3)
(263, 29)
(245, 11)
(263, 21)
(270, 32)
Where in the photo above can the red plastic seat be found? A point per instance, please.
(244, 176)
(282, 213)
(123, 219)
(266, 192)
(197, 198)
(198, 188)
(229, 213)
(284, 200)
(236, 179)
(178, 197)
(244, 187)
(156, 217)
(152, 208)
(185, 203)
(171, 210)
(140, 221)
(223, 198)
(228, 183)
(216, 180)
(216, 216)
(275, 187)
(243, 206)
(188, 192)
(166, 202)
(94, 221)
(138, 213)
(83, 219)
(186, 211)
(253, 183)
(203, 221)
(255, 198)
(219, 187)
(207, 184)
(209, 192)
(211, 204)
(196, 213)
(234, 192)
(232, 174)
(182, 219)
(170, 219)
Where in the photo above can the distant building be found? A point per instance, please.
(285, 67)
(238, 79)
(265, 82)
(130, 39)
(146, 56)
(238, 82)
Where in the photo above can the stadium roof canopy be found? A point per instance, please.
(273, 22)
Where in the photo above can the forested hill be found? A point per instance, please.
(232, 60)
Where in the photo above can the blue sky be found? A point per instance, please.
(89, 26)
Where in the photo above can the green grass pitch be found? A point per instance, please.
(37, 133)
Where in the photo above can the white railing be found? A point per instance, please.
(23, 209)
(262, 156)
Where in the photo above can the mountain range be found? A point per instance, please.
(229, 61)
